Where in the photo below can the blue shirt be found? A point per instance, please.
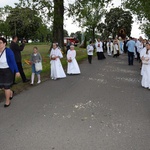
(131, 45)
(11, 60)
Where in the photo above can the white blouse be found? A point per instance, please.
(3, 61)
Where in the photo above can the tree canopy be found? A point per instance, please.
(117, 19)
(88, 13)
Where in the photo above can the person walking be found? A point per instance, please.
(35, 58)
(145, 82)
(57, 70)
(99, 50)
(73, 67)
(17, 52)
(8, 67)
(109, 47)
(90, 50)
(131, 48)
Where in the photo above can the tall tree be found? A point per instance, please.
(141, 9)
(50, 11)
(88, 13)
(23, 22)
(117, 19)
(58, 32)
(138, 7)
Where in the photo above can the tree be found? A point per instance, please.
(23, 22)
(141, 9)
(117, 19)
(88, 13)
(146, 29)
(58, 32)
(138, 7)
(52, 10)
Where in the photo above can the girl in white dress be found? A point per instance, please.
(146, 72)
(57, 70)
(73, 67)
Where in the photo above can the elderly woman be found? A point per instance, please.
(7, 69)
(73, 67)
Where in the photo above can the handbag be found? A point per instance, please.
(38, 66)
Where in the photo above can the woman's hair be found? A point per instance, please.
(3, 39)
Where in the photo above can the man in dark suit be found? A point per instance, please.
(17, 52)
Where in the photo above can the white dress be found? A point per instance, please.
(57, 70)
(142, 53)
(73, 67)
(146, 73)
(109, 48)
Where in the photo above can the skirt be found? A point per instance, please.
(101, 56)
(34, 71)
(6, 78)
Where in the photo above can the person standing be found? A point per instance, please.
(131, 48)
(90, 50)
(57, 70)
(109, 47)
(115, 48)
(73, 67)
(17, 52)
(99, 50)
(8, 67)
(35, 58)
(139, 46)
(146, 65)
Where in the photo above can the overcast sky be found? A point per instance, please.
(69, 26)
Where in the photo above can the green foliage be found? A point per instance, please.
(141, 8)
(146, 29)
(88, 13)
(24, 22)
(117, 19)
(138, 7)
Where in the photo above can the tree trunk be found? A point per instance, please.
(58, 32)
(93, 34)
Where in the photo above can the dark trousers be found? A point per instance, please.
(98, 55)
(90, 58)
(19, 64)
(130, 58)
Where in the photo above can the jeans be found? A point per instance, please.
(130, 58)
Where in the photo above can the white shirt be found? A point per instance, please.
(99, 46)
(90, 49)
(3, 61)
(139, 46)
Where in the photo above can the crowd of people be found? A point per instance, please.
(11, 62)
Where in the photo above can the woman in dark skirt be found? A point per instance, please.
(7, 68)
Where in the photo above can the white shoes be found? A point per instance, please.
(39, 82)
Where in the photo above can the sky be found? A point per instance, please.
(73, 27)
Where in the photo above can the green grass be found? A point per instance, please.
(45, 74)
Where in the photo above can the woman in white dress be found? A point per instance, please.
(57, 70)
(146, 72)
(73, 67)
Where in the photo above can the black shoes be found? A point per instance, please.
(12, 95)
(27, 80)
(5, 105)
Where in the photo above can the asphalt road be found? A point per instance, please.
(104, 108)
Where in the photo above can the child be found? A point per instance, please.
(73, 67)
(35, 58)
(57, 70)
(90, 50)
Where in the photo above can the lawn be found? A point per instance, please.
(45, 74)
